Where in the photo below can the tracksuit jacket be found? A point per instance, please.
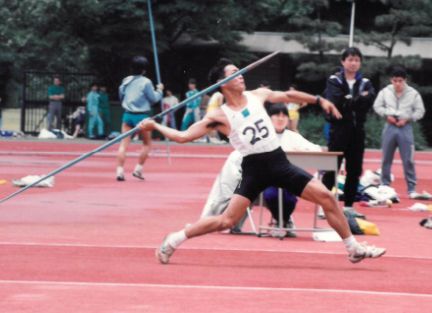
(347, 134)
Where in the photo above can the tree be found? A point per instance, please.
(404, 20)
(307, 26)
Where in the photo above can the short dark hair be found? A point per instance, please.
(398, 71)
(277, 108)
(217, 72)
(192, 81)
(351, 51)
(139, 64)
(265, 83)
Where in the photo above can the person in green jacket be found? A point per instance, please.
(105, 109)
(56, 95)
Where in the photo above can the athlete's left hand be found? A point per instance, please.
(147, 124)
(330, 108)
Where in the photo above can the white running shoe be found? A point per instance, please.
(164, 252)
(363, 250)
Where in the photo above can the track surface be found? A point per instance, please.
(87, 245)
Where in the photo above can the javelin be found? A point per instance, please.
(136, 128)
(156, 61)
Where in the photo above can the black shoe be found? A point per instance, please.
(120, 178)
(138, 175)
(290, 233)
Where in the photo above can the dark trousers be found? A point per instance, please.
(54, 112)
(351, 143)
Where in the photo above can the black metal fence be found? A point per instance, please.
(35, 97)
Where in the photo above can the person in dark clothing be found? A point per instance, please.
(353, 96)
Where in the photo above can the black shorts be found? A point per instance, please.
(263, 170)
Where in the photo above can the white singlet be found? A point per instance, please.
(252, 131)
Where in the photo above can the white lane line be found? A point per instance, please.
(215, 287)
(83, 245)
(163, 154)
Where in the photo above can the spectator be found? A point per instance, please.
(353, 96)
(105, 109)
(400, 105)
(137, 94)
(293, 111)
(215, 101)
(56, 95)
(78, 121)
(95, 120)
(192, 113)
(167, 103)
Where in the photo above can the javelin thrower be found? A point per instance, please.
(250, 131)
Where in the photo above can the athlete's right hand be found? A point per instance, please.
(330, 108)
(147, 124)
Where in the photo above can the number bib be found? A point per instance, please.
(252, 131)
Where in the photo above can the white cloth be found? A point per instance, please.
(252, 130)
(27, 180)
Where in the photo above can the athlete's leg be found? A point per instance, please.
(121, 155)
(145, 149)
(146, 141)
(317, 193)
(228, 219)
(231, 216)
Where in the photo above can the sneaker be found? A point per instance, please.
(164, 252)
(353, 213)
(138, 175)
(290, 233)
(413, 195)
(420, 196)
(120, 178)
(363, 250)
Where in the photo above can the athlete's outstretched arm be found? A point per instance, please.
(195, 131)
(298, 97)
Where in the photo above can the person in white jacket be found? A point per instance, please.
(400, 105)
(230, 175)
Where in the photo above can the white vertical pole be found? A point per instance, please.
(351, 35)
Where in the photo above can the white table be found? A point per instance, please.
(317, 161)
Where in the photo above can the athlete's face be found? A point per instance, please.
(351, 64)
(280, 122)
(236, 83)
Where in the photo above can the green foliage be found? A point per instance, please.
(404, 19)
(311, 126)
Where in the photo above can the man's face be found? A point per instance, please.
(57, 81)
(280, 122)
(398, 83)
(192, 86)
(238, 82)
(351, 64)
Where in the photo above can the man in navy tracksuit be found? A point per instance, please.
(353, 96)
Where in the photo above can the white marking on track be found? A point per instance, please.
(215, 287)
(83, 245)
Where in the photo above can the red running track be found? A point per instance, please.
(87, 245)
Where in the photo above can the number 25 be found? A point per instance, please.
(258, 132)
